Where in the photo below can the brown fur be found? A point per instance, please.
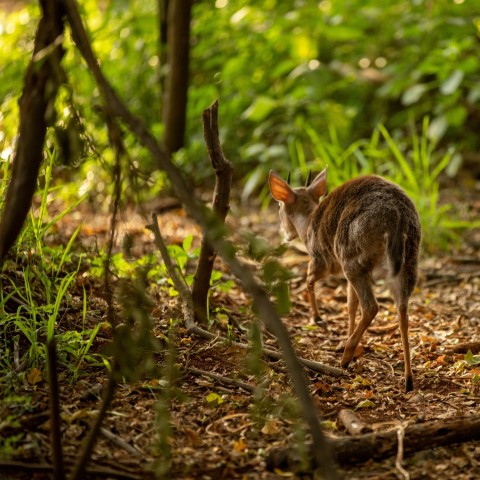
(365, 228)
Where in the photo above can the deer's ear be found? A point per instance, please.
(280, 189)
(318, 187)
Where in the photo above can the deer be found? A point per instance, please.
(367, 228)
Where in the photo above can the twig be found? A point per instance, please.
(85, 454)
(178, 282)
(222, 379)
(54, 399)
(119, 442)
(399, 457)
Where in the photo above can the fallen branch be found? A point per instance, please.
(94, 471)
(474, 347)
(380, 445)
(352, 423)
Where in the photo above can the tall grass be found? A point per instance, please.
(37, 288)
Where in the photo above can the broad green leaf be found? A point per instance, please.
(187, 242)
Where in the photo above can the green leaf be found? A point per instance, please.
(452, 82)
(472, 359)
(214, 397)
(187, 242)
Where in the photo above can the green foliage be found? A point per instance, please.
(39, 281)
(296, 83)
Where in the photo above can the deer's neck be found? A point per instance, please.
(301, 223)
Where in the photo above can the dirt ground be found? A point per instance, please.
(225, 430)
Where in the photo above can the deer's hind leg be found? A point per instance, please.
(352, 303)
(401, 297)
(362, 287)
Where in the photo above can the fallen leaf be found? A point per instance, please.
(271, 427)
(214, 397)
(239, 446)
(364, 404)
(34, 376)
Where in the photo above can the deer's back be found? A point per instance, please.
(357, 218)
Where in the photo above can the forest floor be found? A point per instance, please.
(220, 430)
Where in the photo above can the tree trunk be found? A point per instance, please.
(176, 88)
(37, 111)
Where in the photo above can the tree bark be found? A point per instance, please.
(380, 445)
(37, 111)
(176, 87)
(220, 206)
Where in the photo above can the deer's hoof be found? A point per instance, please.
(318, 321)
(408, 384)
(345, 363)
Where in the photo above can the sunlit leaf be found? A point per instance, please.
(214, 398)
(239, 445)
(452, 82)
(364, 404)
(413, 94)
(187, 242)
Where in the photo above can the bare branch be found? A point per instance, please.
(220, 207)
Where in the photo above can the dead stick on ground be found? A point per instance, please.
(221, 378)
(210, 225)
(119, 442)
(94, 471)
(352, 423)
